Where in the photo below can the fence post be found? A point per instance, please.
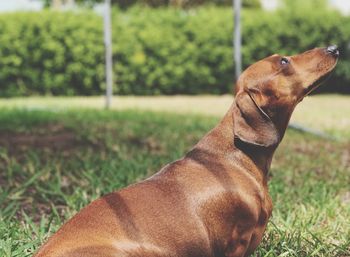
(108, 49)
(237, 38)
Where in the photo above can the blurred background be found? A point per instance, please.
(159, 46)
(162, 48)
(173, 74)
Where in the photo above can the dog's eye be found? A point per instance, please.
(284, 61)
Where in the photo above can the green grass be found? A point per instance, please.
(327, 113)
(54, 163)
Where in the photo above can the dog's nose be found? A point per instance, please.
(333, 50)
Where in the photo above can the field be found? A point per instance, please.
(58, 154)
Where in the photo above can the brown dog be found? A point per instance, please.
(214, 201)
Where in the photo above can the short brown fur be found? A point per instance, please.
(214, 201)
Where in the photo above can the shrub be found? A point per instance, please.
(50, 53)
(156, 51)
(174, 51)
(178, 3)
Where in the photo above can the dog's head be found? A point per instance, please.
(268, 91)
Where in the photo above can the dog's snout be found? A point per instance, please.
(333, 49)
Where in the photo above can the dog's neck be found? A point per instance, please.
(222, 142)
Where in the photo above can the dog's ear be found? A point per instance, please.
(251, 124)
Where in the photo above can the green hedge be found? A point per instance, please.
(156, 51)
(50, 53)
(177, 3)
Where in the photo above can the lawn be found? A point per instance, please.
(327, 113)
(55, 161)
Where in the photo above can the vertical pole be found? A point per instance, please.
(56, 4)
(237, 39)
(108, 49)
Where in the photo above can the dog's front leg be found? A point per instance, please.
(240, 241)
(247, 235)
